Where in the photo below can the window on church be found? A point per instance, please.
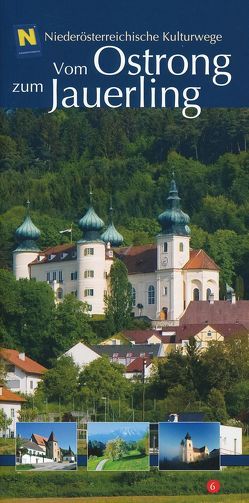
(181, 247)
(165, 290)
(165, 247)
(151, 294)
(133, 296)
(209, 292)
(196, 294)
(89, 251)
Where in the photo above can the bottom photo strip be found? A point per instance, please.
(118, 446)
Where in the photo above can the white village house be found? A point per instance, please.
(10, 404)
(137, 360)
(164, 276)
(23, 373)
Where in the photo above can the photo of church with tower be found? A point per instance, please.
(165, 276)
(46, 446)
(189, 446)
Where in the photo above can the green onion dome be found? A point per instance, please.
(27, 234)
(112, 236)
(173, 220)
(27, 231)
(91, 221)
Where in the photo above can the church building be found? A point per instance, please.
(190, 454)
(165, 276)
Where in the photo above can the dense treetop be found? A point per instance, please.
(52, 160)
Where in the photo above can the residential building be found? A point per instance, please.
(23, 373)
(10, 404)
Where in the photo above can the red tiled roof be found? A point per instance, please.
(200, 260)
(55, 250)
(8, 396)
(138, 259)
(220, 311)
(143, 259)
(137, 364)
(39, 439)
(27, 365)
(225, 329)
(141, 336)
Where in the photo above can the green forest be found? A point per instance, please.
(129, 155)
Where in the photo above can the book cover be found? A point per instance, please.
(124, 244)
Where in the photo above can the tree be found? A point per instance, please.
(143, 445)
(237, 399)
(72, 323)
(116, 449)
(119, 301)
(216, 369)
(36, 323)
(60, 382)
(216, 402)
(194, 366)
(169, 373)
(179, 398)
(10, 307)
(3, 372)
(103, 378)
(4, 421)
(28, 414)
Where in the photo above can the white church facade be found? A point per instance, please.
(165, 276)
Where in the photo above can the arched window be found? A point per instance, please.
(209, 291)
(181, 247)
(151, 294)
(133, 294)
(196, 294)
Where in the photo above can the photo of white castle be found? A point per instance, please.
(165, 276)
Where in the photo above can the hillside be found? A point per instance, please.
(129, 154)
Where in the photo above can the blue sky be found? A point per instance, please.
(100, 428)
(171, 434)
(65, 433)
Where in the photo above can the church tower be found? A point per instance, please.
(188, 451)
(27, 250)
(53, 450)
(173, 252)
(91, 258)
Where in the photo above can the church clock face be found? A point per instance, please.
(164, 261)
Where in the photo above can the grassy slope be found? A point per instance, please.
(93, 462)
(7, 446)
(133, 461)
(84, 484)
